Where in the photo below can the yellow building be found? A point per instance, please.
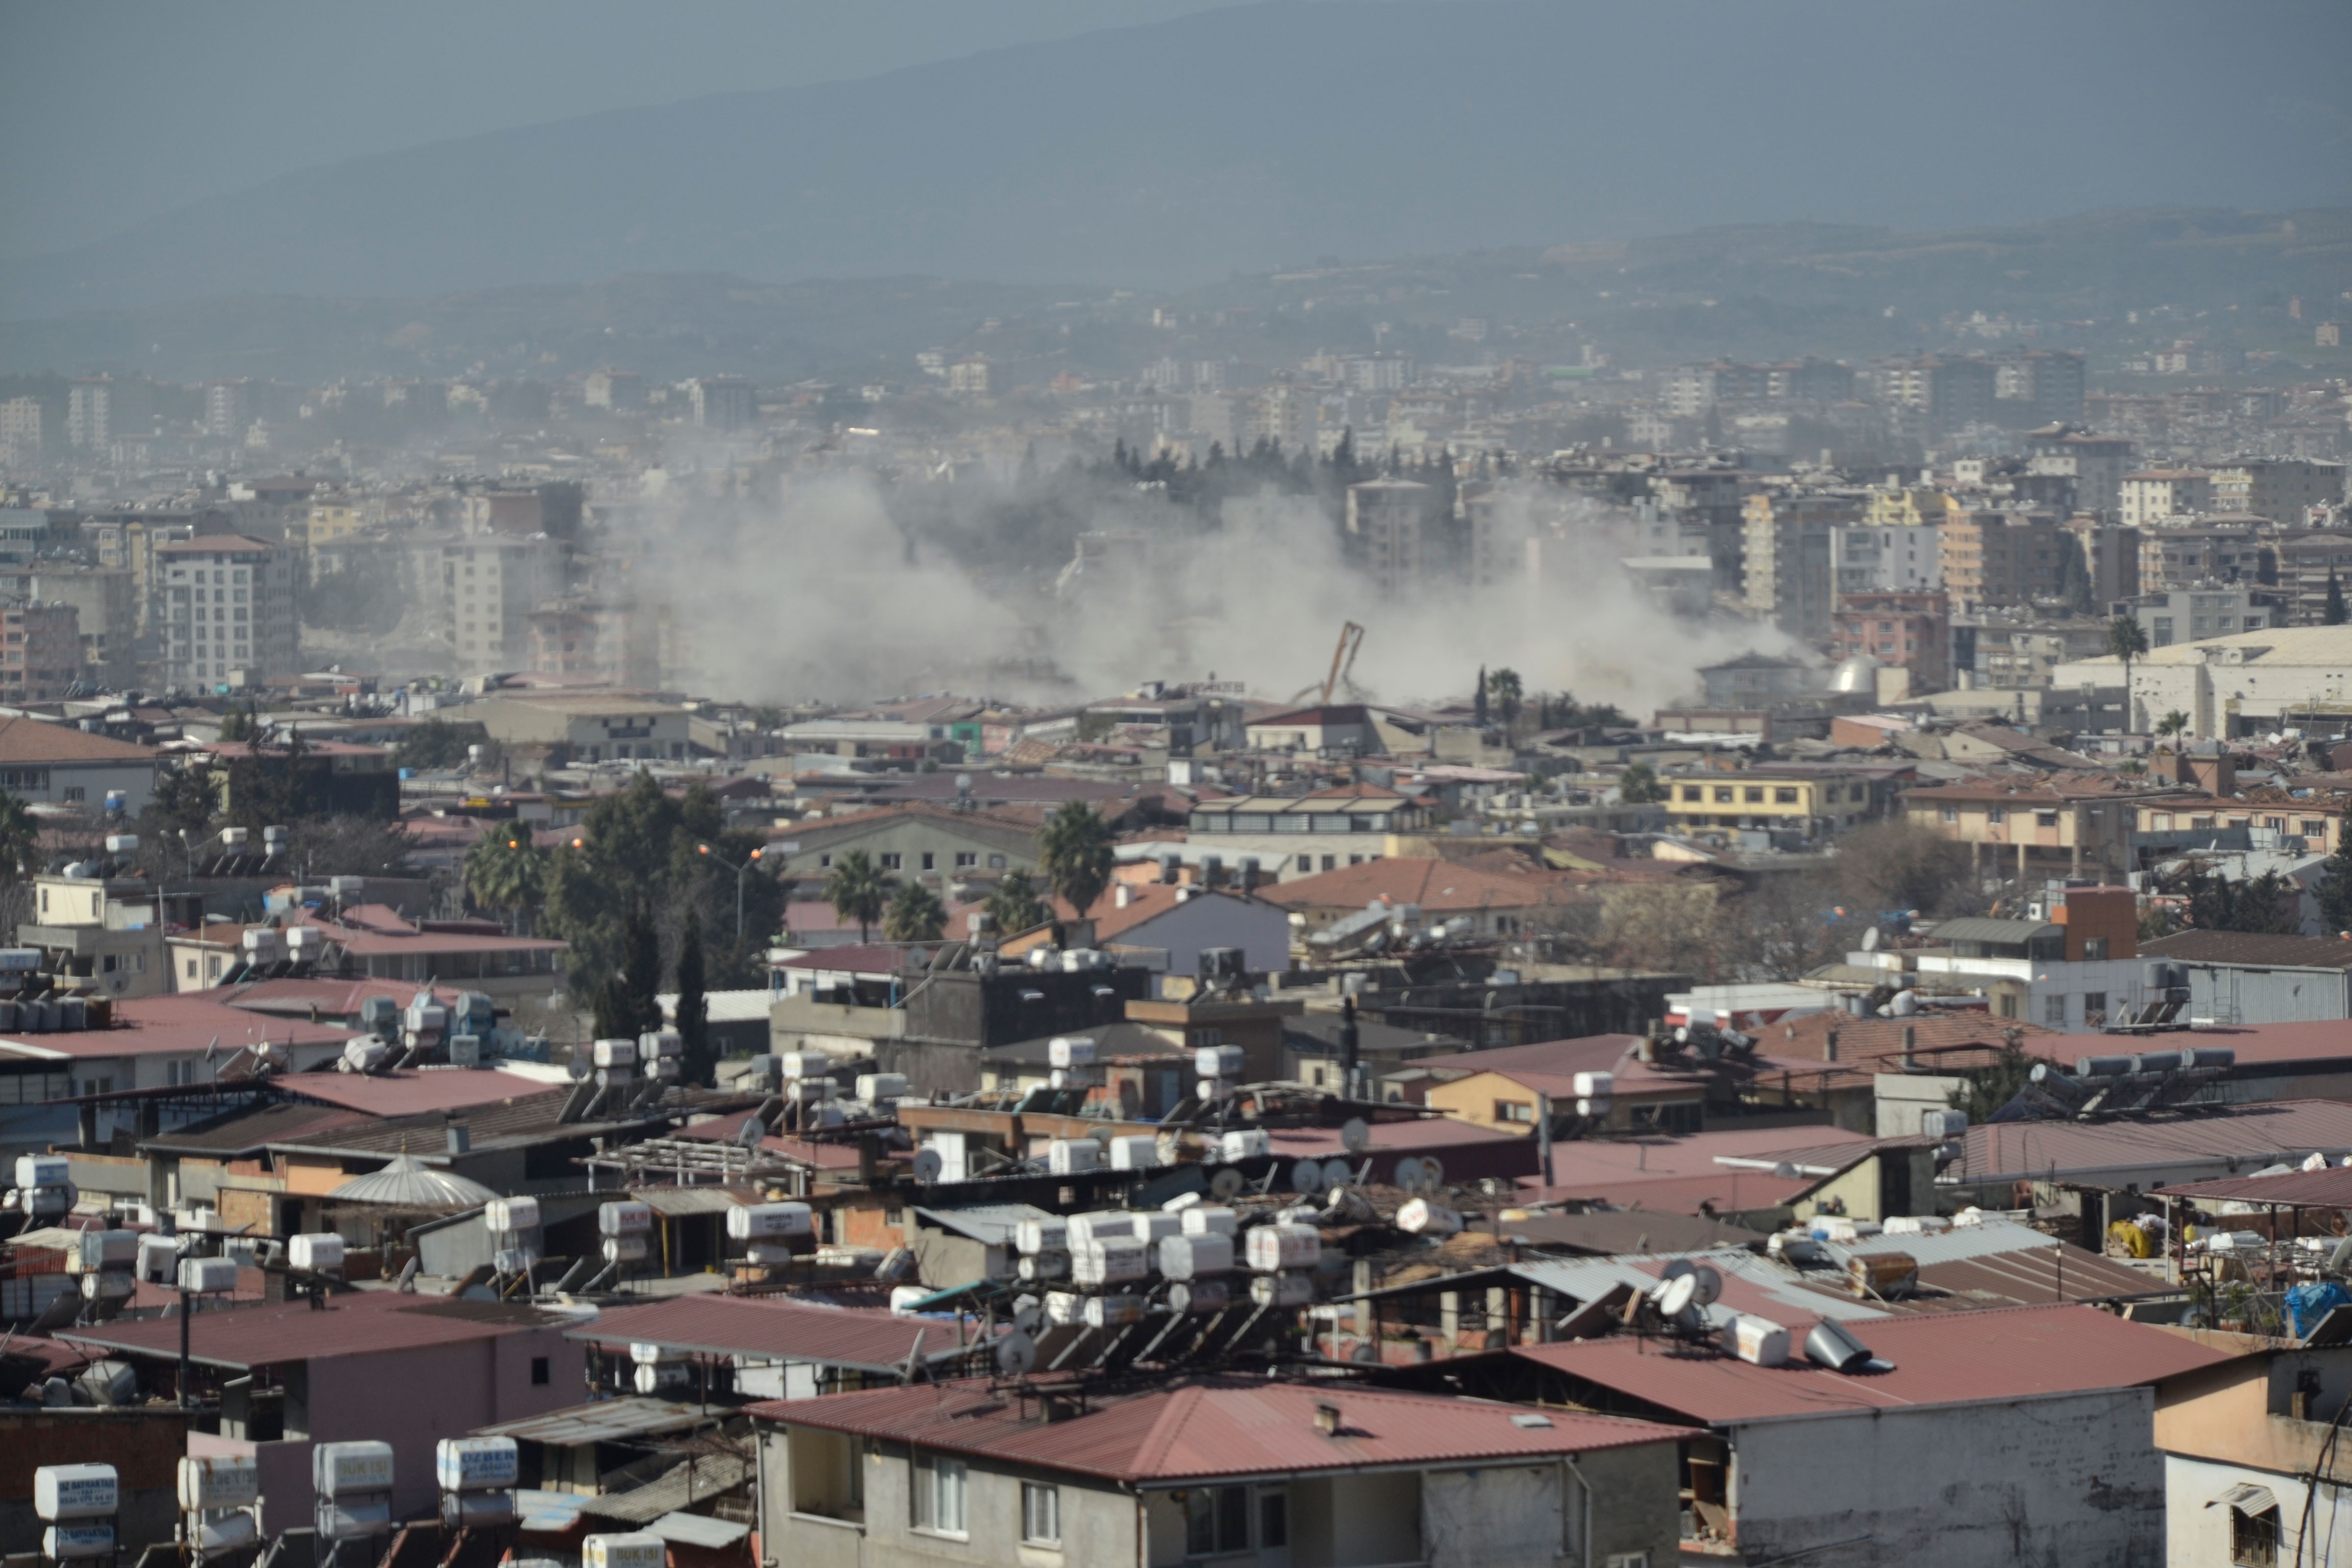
(330, 520)
(1910, 507)
(1808, 803)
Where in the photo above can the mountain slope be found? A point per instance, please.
(1253, 138)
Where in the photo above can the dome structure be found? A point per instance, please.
(407, 1182)
(1856, 673)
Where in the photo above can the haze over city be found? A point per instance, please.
(1310, 782)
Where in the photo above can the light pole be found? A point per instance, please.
(741, 871)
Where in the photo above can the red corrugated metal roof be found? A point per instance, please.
(359, 1322)
(415, 1091)
(1939, 1358)
(2259, 1133)
(2328, 1189)
(1208, 1427)
(861, 1337)
(155, 1024)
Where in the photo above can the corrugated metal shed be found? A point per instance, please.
(1939, 1358)
(699, 1481)
(1214, 1427)
(606, 1421)
(989, 1223)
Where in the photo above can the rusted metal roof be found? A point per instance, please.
(861, 1338)
(1212, 1427)
(606, 1421)
(359, 1322)
(2246, 1134)
(1992, 1356)
(2327, 1189)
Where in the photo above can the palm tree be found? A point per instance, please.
(1074, 851)
(507, 873)
(915, 915)
(2172, 726)
(855, 890)
(2126, 640)
(1015, 906)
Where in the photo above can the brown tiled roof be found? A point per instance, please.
(1434, 884)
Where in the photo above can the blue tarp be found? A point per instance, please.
(2307, 1304)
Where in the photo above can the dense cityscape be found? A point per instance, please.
(1674, 897)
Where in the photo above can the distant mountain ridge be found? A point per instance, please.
(1755, 292)
(1248, 139)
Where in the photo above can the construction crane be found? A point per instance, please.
(1343, 664)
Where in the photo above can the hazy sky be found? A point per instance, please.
(115, 109)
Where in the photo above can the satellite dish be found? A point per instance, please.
(1028, 1317)
(1227, 1183)
(1408, 1176)
(1335, 1173)
(1016, 1354)
(1307, 1178)
(1677, 1269)
(1870, 940)
(927, 1165)
(1433, 1171)
(751, 1133)
(1180, 1298)
(1710, 1285)
(1676, 1295)
(577, 1067)
(1355, 1137)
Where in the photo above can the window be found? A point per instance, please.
(1784, 795)
(1307, 862)
(1217, 1520)
(996, 862)
(1518, 1110)
(939, 1494)
(1273, 1520)
(2053, 1010)
(930, 860)
(2095, 1007)
(1723, 794)
(1950, 814)
(1996, 815)
(1330, 862)
(539, 1372)
(2254, 1530)
(966, 859)
(2314, 827)
(1693, 794)
(1041, 1514)
(892, 859)
(2095, 951)
(1756, 795)
(2045, 819)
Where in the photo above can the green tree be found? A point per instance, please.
(2333, 615)
(1505, 688)
(2127, 641)
(855, 890)
(631, 1002)
(2335, 889)
(185, 799)
(1638, 785)
(692, 1017)
(1074, 852)
(20, 838)
(915, 915)
(507, 873)
(1993, 1086)
(434, 744)
(1015, 906)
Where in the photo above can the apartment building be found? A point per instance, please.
(40, 651)
(1899, 558)
(2040, 829)
(2004, 558)
(106, 601)
(1395, 533)
(1911, 631)
(1790, 555)
(2305, 564)
(2095, 463)
(89, 414)
(2284, 489)
(1814, 803)
(2181, 557)
(20, 430)
(2151, 496)
(617, 390)
(2208, 610)
(721, 403)
(2109, 556)
(229, 610)
(490, 587)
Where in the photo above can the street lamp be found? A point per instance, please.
(739, 873)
